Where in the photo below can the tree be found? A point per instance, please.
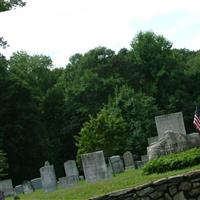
(8, 5)
(123, 124)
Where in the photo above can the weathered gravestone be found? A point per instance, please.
(36, 183)
(71, 171)
(173, 122)
(94, 166)
(128, 160)
(19, 189)
(170, 142)
(63, 183)
(7, 187)
(117, 164)
(2, 197)
(48, 177)
(27, 187)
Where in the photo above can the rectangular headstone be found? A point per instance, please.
(128, 160)
(7, 187)
(48, 177)
(18, 189)
(36, 183)
(116, 164)
(173, 122)
(71, 171)
(94, 166)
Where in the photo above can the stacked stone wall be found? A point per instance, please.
(186, 186)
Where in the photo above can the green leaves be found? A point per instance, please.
(173, 161)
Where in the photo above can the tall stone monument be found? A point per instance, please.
(128, 160)
(71, 171)
(48, 177)
(94, 166)
(173, 122)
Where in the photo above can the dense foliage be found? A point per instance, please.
(173, 161)
(101, 100)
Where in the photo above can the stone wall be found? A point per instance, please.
(186, 186)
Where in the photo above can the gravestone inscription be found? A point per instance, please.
(94, 166)
(173, 122)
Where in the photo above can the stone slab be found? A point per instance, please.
(94, 166)
(172, 122)
(48, 178)
(36, 183)
(128, 160)
(117, 164)
(7, 187)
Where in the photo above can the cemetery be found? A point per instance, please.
(172, 138)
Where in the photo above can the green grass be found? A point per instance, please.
(84, 190)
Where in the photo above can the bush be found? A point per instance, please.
(173, 161)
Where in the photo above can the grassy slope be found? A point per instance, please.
(84, 190)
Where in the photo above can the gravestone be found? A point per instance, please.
(140, 163)
(152, 140)
(144, 158)
(94, 166)
(173, 122)
(48, 177)
(7, 187)
(27, 187)
(128, 160)
(36, 183)
(63, 183)
(170, 142)
(18, 189)
(2, 197)
(116, 164)
(71, 171)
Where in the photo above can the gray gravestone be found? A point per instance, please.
(117, 164)
(170, 142)
(63, 183)
(71, 171)
(173, 122)
(7, 187)
(48, 177)
(94, 166)
(36, 183)
(27, 187)
(152, 140)
(144, 158)
(2, 197)
(18, 189)
(128, 160)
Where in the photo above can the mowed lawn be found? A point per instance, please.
(84, 190)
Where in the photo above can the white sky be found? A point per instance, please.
(61, 28)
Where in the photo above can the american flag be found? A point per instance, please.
(196, 120)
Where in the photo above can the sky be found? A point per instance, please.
(61, 28)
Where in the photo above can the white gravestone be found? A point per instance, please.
(94, 166)
(48, 177)
(173, 122)
(71, 171)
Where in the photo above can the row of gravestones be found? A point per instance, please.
(94, 167)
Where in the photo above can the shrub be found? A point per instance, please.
(173, 161)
